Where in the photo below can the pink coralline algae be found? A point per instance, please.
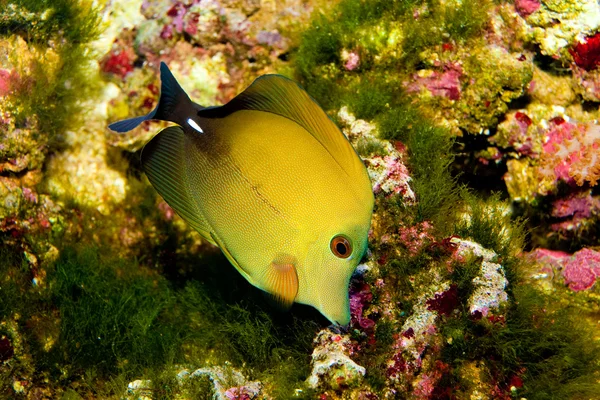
(351, 60)
(240, 393)
(579, 270)
(181, 21)
(446, 83)
(271, 38)
(586, 54)
(582, 269)
(205, 21)
(571, 152)
(8, 81)
(416, 236)
(391, 176)
(515, 133)
(574, 210)
(30, 195)
(587, 83)
(523, 121)
(166, 210)
(527, 7)
(550, 261)
(425, 385)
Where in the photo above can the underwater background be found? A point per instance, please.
(477, 121)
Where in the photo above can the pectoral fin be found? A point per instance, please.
(282, 283)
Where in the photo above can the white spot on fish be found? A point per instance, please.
(194, 125)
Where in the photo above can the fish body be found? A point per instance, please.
(271, 180)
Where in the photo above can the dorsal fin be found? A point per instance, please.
(282, 96)
(162, 160)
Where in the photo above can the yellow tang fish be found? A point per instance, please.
(272, 181)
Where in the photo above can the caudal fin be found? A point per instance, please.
(173, 104)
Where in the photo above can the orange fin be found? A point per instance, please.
(282, 283)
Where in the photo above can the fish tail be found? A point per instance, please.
(174, 104)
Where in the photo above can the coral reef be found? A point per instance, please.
(332, 366)
(223, 384)
(464, 293)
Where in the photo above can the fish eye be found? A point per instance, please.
(340, 246)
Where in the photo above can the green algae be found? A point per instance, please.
(547, 348)
(443, 22)
(490, 223)
(43, 20)
(57, 77)
(374, 25)
(117, 318)
(430, 156)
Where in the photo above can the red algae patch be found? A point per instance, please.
(586, 54)
(444, 303)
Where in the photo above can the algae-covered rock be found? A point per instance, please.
(107, 293)
(332, 366)
(557, 24)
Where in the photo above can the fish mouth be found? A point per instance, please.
(337, 310)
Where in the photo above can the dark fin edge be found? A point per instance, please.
(171, 96)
